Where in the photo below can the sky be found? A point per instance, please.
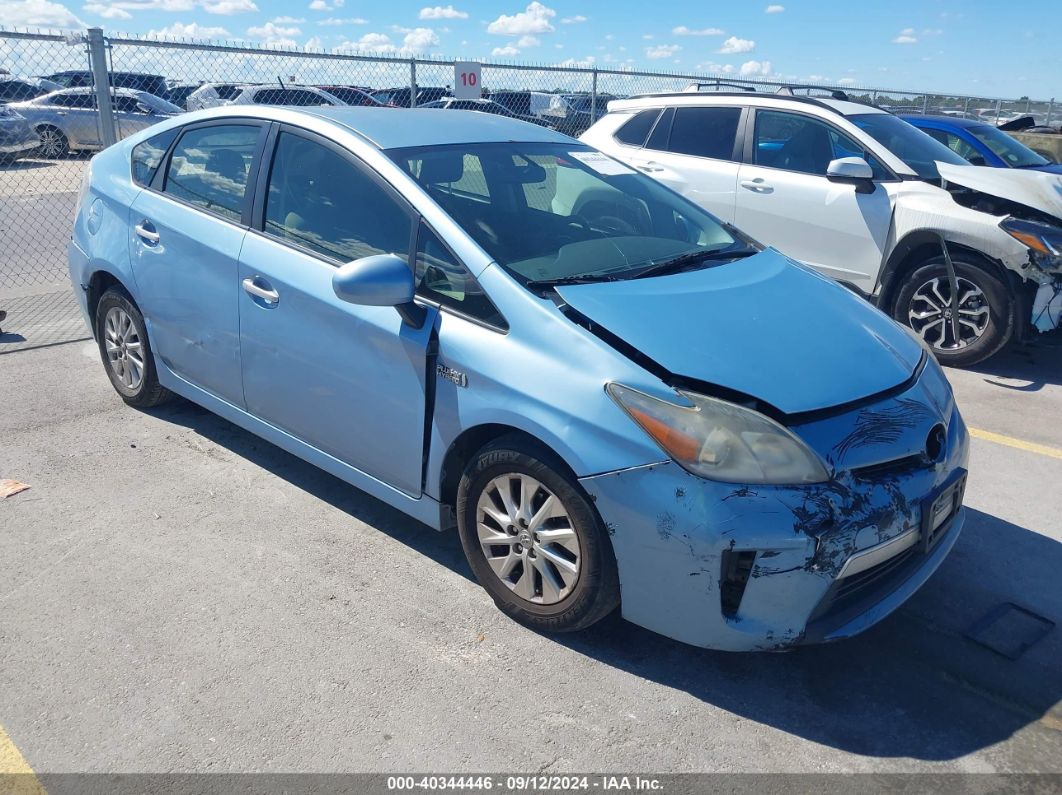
(960, 46)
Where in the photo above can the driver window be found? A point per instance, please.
(321, 201)
(441, 278)
(795, 142)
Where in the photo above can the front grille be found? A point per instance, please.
(896, 466)
(852, 589)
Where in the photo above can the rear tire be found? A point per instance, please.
(986, 313)
(121, 336)
(553, 568)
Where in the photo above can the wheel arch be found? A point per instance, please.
(467, 444)
(99, 283)
(922, 245)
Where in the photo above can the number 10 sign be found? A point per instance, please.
(466, 80)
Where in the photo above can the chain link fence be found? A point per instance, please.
(39, 183)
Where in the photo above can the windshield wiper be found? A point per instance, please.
(579, 278)
(693, 258)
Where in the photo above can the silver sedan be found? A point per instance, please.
(68, 120)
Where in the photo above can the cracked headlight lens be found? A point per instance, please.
(722, 441)
(1041, 238)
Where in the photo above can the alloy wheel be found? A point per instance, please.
(124, 350)
(528, 538)
(53, 143)
(931, 315)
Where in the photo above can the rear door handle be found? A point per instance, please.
(756, 185)
(252, 287)
(145, 230)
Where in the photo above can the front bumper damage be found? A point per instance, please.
(766, 567)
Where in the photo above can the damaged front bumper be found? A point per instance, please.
(765, 567)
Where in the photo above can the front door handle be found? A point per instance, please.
(650, 168)
(252, 287)
(756, 185)
(146, 231)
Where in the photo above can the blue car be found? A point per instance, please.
(982, 144)
(617, 400)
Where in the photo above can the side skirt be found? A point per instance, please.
(424, 509)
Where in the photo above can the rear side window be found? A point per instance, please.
(209, 168)
(321, 201)
(705, 132)
(636, 129)
(147, 155)
(74, 100)
(795, 142)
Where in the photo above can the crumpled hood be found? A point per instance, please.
(764, 326)
(1040, 190)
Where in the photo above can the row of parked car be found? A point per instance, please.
(59, 110)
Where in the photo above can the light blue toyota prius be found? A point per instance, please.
(618, 400)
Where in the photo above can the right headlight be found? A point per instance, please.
(1041, 238)
(722, 441)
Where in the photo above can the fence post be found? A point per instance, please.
(102, 82)
(925, 104)
(966, 108)
(593, 97)
(874, 98)
(1050, 110)
(412, 82)
(999, 109)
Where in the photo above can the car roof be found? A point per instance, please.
(841, 107)
(954, 121)
(432, 126)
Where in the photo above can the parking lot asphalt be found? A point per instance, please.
(178, 595)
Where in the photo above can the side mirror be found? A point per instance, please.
(380, 280)
(852, 171)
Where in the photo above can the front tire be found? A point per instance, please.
(54, 144)
(126, 352)
(985, 320)
(534, 540)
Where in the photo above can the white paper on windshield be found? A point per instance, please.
(600, 163)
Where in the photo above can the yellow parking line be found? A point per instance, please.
(1020, 444)
(16, 776)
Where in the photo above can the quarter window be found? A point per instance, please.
(636, 129)
(147, 155)
(705, 132)
(795, 142)
(80, 100)
(209, 168)
(441, 278)
(321, 201)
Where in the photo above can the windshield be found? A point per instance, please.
(563, 211)
(1013, 152)
(919, 151)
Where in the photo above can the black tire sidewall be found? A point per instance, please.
(596, 593)
(149, 391)
(1001, 306)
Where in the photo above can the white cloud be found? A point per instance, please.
(335, 22)
(277, 35)
(734, 45)
(528, 41)
(508, 51)
(38, 13)
(193, 30)
(774, 9)
(107, 12)
(846, 81)
(682, 30)
(755, 69)
(534, 19)
(289, 20)
(419, 40)
(324, 5)
(228, 7)
(314, 43)
(715, 68)
(905, 37)
(662, 51)
(378, 42)
(573, 20)
(416, 40)
(440, 12)
(585, 63)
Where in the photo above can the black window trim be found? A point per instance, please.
(256, 220)
(426, 299)
(735, 152)
(749, 154)
(158, 183)
(163, 161)
(637, 112)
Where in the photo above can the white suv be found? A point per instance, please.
(867, 199)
